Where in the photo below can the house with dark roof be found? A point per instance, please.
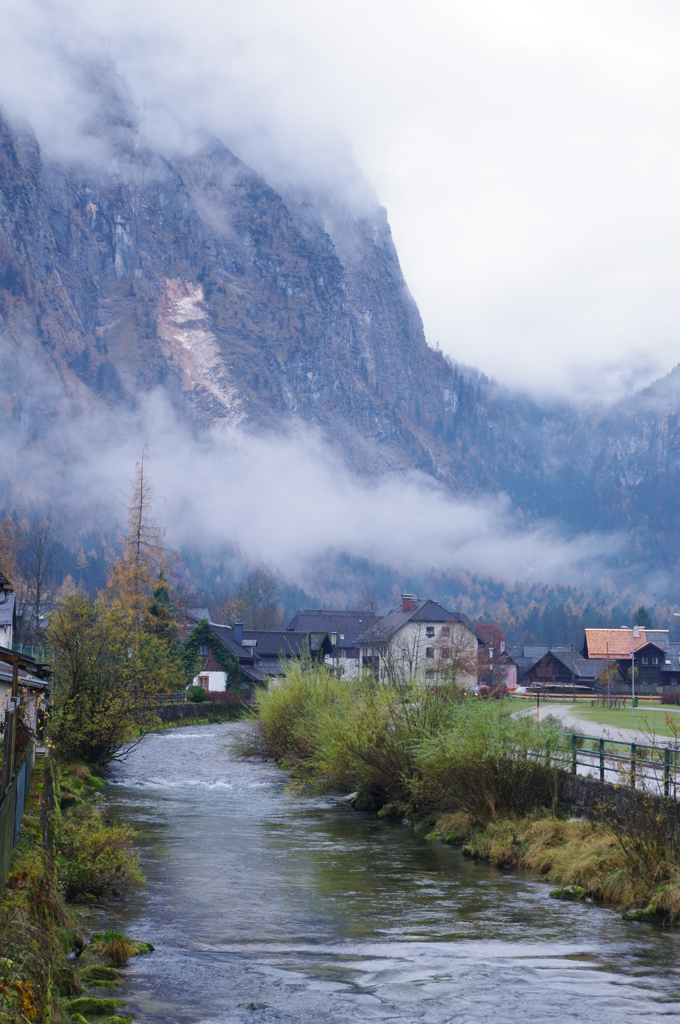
(421, 638)
(234, 658)
(563, 668)
(344, 626)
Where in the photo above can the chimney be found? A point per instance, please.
(408, 602)
(238, 632)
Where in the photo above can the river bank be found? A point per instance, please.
(266, 905)
(498, 784)
(68, 863)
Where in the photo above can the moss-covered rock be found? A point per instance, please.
(96, 972)
(569, 892)
(94, 782)
(142, 947)
(77, 1018)
(91, 1006)
(647, 914)
(391, 812)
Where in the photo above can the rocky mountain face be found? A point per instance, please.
(251, 307)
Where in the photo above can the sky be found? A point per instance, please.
(527, 151)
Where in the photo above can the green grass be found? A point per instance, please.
(647, 721)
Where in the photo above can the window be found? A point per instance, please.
(655, 661)
(429, 652)
(645, 661)
(668, 661)
(429, 630)
(429, 675)
(446, 631)
(204, 650)
(502, 646)
(446, 652)
(204, 681)
(343, 654)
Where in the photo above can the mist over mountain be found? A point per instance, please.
(183, 294)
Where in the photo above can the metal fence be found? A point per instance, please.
(11, 813)
(639, 765)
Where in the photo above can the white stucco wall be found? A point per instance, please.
(349, 666)
(217, 681)
(408, 647)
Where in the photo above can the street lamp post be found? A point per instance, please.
(635, 632)
(334, 645)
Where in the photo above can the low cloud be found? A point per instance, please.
(287, 499)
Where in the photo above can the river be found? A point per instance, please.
(265, 908)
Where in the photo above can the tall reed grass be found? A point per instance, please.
(419, 746)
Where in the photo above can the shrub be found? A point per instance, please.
(413, 744)
(95, 860)
(196, 694)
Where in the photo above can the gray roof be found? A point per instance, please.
(349, 625)
(280, 643)
(660, 637)
(423, 611)
(31, 672)
(6, 608)
(197, 614)
(225, 634)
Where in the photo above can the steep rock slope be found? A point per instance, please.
(251, 306)
(193, 274)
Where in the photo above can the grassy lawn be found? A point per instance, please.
(648, 721)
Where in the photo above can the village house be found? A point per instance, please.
(33, 680)
(343, 627)
(657, 658)
(563, 668)
(257, 654)
(421, 638)
(495, 664)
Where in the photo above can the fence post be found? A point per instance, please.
(666, 772)
(574, 747)
(601, 760)
(633, 748)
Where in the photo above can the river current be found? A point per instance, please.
(266, 908)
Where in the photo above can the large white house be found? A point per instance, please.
(421, 639)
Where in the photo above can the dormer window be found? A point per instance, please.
(204, 650)
(429, 631)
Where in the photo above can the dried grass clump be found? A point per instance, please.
(117, 948)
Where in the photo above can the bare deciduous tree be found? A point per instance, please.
(36, 591)
(255, 600)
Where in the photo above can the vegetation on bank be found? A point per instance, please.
(481, 776)
(68, 860)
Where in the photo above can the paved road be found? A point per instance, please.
(569, 716)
